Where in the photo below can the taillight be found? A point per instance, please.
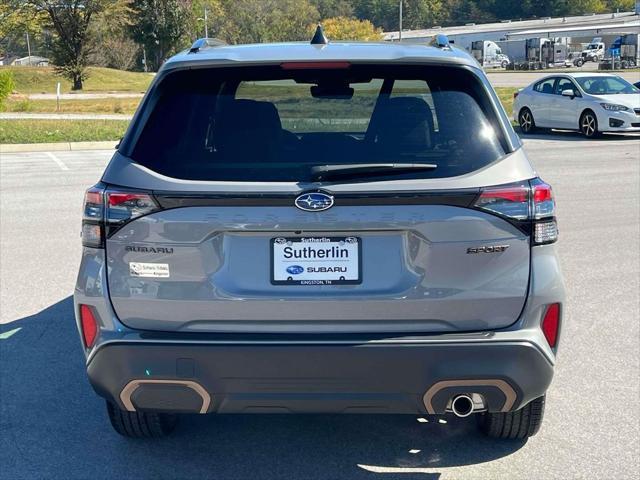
(543, 212)
(107, 210)
(508, 200)
(515, 94)
(93, 218)
(529, 205)
(551, 324)
(125, 206)
(89, 325)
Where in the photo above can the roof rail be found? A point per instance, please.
(440, 41)
(203, 43)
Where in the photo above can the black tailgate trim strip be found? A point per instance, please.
(457, 198)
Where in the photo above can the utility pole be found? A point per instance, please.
(400, 29)
(206, 28)
(144, 58)
(29, 49)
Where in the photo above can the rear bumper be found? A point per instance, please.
(414, 375)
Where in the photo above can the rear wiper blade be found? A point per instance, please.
(321, 172)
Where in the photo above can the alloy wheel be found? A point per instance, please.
(526, 121)
(588, 125)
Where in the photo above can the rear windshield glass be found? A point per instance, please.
(276, 123)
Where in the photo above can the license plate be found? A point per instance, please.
(316, 261)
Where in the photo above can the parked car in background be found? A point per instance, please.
(325, 227)
(589, 102)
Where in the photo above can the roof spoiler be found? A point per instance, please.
(440, 41)
(203, 43)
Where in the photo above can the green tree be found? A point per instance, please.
(7, 85)
(215, 14)
(622, 5)
(419, 14)
(256, 21)
(342, 28)
(416, 14)
(333, 8)
(382, 13)
(18, 19)
(71, 21)
(459, 12)
(112, 45)
(15, 17)
(161, 27)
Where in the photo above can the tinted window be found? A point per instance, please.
(605, 85)
(275, 124)
(300, 112)
(545, 86)
(564, 84)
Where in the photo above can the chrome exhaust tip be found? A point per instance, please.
(462, 406)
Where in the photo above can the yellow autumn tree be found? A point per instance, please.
(344, 28)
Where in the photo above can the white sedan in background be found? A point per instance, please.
(589, 102)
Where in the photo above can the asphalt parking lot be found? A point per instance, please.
(53, 426)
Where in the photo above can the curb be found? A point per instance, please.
(57, 147)
(65, 116)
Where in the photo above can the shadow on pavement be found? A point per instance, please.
(54, 426)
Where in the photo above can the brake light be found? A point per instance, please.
(314, 65)
(551, 324)
(529, 205)
(543, 203)
(89, 325)
(107, 210)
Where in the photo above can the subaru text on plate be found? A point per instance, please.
(320, 228)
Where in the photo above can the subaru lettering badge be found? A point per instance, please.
(314, 202)
(295, 269)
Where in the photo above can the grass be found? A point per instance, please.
(129, 105)
(101, 105)
(505, 94)
(43, 131)
(38, 131)
(44, 80)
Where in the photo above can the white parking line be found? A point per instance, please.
(59, 162)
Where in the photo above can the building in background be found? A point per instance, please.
(571, 31)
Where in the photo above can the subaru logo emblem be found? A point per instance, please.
(314, 202)
(295, 269)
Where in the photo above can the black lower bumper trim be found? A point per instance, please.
(325, 378)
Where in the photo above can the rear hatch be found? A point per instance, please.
(318, 198)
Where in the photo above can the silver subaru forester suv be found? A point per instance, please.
(320, 228)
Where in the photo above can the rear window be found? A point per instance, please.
(274, 123)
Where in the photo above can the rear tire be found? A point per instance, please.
(589, 124)
(523, 423)
(525, 120)
(141, 424)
